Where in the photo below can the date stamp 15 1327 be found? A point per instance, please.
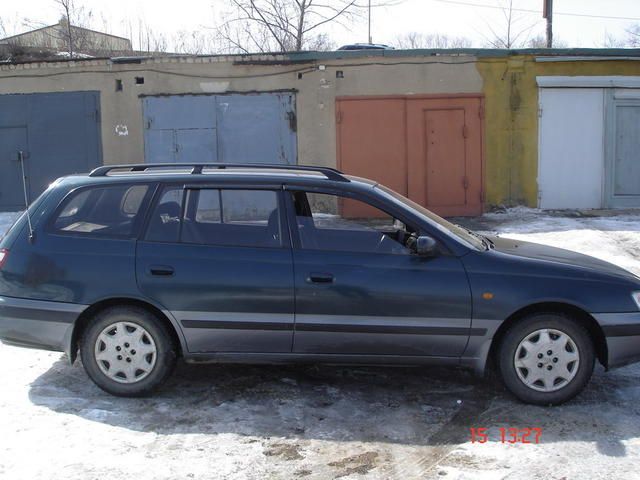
(507, 435)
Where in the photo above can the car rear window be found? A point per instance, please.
(101, 211)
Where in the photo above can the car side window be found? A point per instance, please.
(240, 218)
(101, 211)
(333, 222)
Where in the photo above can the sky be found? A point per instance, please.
(577, 23)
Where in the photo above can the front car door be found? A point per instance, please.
(219, 259)
(360, 290)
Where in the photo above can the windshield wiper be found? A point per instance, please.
(493, 245)
(488, 244)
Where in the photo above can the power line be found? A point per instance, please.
(497, 7)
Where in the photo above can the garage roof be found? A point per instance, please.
(310, 57)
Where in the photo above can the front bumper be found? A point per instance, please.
(622, 333)
(37, 323)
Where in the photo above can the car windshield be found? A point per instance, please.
(467, 237)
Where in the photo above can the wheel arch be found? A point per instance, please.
(85, 317)
(593, 327)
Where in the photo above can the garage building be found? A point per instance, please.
(459, 131)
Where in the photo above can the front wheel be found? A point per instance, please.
(546, 358)
(127, 351)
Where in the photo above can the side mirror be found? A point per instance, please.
(426, 246)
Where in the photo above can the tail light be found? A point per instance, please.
(4, 253)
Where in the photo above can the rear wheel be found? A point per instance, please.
(546, 358)
(127, 351)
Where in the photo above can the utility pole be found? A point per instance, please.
(547, 12)
(370, 39)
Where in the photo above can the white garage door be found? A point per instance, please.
(571, 148)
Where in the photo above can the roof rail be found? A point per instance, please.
(196, 169)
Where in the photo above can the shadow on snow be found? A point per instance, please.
(399, 405)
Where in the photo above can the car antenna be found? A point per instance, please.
(26, 195)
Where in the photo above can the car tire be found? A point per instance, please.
(127, 351)
(546, 368)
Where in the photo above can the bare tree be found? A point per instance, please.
(10, 25)
(321, 43)
(144, 38)
(66, 34)
(281, 25)
(73, 16)
(193, 42)
(611, 41)
(413, 40)
(513, 31)
(540, 41)
(67, 6)
(633, 36)
(630, 38)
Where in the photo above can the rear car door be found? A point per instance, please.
(219, 259)
(360, 289)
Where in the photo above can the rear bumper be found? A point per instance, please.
(622, 333)
(38, 323)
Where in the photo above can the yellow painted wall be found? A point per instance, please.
(511, 120)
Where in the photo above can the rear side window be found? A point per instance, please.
(102, 211)
(241, 218)
(238, 218)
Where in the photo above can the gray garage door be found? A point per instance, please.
(234, 128)
(58, 134)
(623, 154)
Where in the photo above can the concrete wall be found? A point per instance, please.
(121, 111)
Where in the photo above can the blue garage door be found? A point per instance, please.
(235, 128)
(58, 134)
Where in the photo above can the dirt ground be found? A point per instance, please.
(310, 422)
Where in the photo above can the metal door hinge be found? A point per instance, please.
(339, 116)
(465, 131)
(481, 112)
(293, 121)
(465, 183)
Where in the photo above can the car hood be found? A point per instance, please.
(536, 251)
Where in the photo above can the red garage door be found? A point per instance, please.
(427, 148)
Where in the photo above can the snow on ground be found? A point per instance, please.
(256, 422)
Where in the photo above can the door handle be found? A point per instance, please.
(316, 277)
(161, 270)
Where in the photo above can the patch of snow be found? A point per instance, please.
(75, 55)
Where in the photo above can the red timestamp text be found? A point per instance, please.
(507, 435)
